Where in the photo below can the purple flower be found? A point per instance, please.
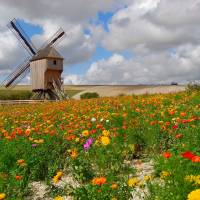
(88, 143)
(86, 146)
(34, 145)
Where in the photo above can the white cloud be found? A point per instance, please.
(181, 66)
(72, 79)
(163, 35)
(73, 16)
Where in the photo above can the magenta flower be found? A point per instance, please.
(88, 143)
(86, 146)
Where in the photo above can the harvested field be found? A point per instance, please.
(107, 91)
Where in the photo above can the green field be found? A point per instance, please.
(102, 149)
(24, 93)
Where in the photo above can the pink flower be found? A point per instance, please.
(88, 143)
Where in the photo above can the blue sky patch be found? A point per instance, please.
(30, 29)
(81, 68)
(103, 19)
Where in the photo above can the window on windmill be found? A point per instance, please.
(54, 62)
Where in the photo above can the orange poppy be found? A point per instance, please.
(99, 181)
(167, 155)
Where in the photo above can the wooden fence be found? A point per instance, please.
(9, 102)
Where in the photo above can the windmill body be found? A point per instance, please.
(45, 65)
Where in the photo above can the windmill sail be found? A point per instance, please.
(55, 39)
(44, 72)
(17, 75)
(20, 78)
(22, 36)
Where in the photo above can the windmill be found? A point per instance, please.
(45, 65)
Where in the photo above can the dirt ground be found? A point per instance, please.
(107, 91)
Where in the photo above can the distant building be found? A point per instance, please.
(174, 83)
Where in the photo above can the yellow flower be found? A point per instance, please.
(147, 178)
(30, 138)
(133, 182)
(85, 133)
(2, 196)
(164, 174)
(59, 174)
(97, 142)
(57, 177)
(194, 195)
(21, 162)
(73, 153)
(106, 133)
(58, 198)
(114, 198)
(105, 140)
(114, 186)
(39, 141)
(193, 179)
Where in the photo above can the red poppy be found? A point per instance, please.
(171, 112)
(178, 136)
(189, 155)
(17, 177)
(196, 159)
(167, 123)
(175, 127)
(186, 121)
(183, 114)
(93, 131)
(167, 155)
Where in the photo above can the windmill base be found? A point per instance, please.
(48, 95)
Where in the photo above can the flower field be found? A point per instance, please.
(95, 143)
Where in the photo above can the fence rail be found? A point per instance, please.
(8, 102)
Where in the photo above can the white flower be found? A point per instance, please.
(93, 120)
(101, 119)
(107, 120)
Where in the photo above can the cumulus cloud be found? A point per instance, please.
(154, 25)
(163, 36)
(181, 66)
(73, 16)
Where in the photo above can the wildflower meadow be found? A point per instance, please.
(94, 149)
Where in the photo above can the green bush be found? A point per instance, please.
(15, 94)
(89, 95)
(193, 86)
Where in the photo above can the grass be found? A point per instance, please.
(71, 93)
(24, 94)
(15, 94)
(96, 141)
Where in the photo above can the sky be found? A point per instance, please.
(109, 41)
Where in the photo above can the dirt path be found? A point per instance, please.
(107, 91)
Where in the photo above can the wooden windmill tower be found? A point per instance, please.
(45, 65)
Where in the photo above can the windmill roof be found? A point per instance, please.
(47, 52)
